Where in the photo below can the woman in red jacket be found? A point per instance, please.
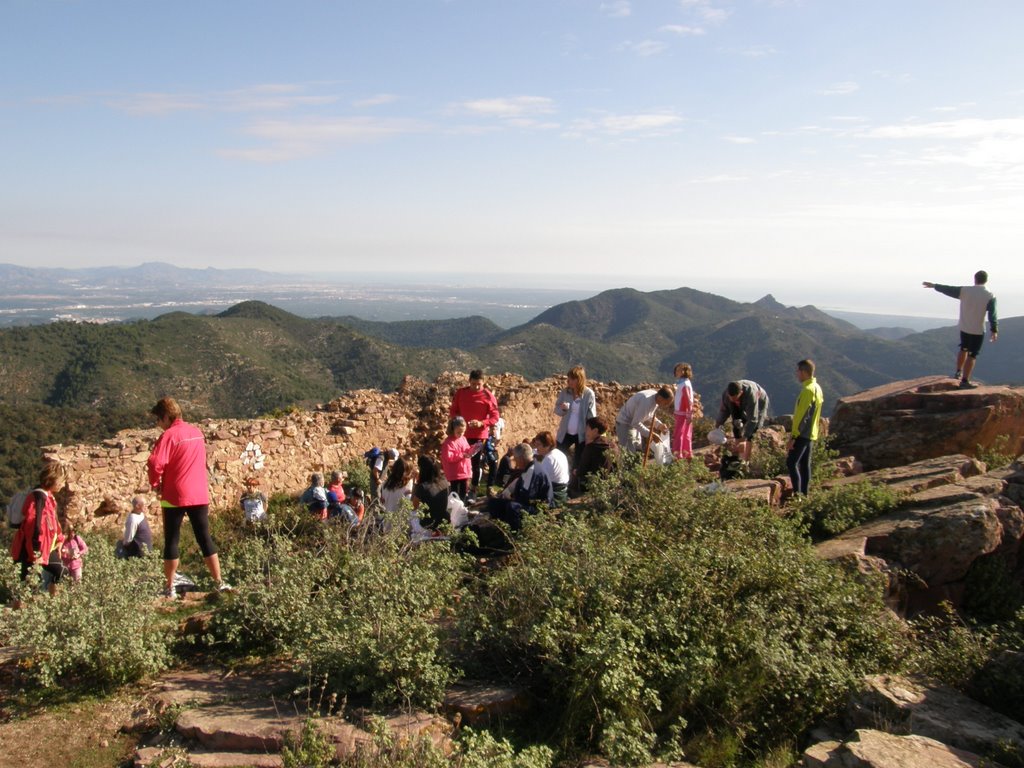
(39, 537)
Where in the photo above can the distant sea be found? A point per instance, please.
(111, 294)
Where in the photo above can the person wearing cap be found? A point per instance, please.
(478, 406)
(806, 415)
(637, 417)
(975, 301)
(746, 403)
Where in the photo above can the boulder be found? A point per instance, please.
(878, 749)
(483, 704)
(242, 727)
(903, 421)
(909, 706)
(918, 476)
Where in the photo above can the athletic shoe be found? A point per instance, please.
(965, 384)
(170, 593)
(223, 586)
(958, 375)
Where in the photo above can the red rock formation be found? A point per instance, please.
(907, 421)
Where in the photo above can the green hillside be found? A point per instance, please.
(67, 381)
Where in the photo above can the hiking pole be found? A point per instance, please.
(650, 437)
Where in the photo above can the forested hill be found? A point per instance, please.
(66, 381)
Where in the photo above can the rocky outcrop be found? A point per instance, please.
(907, 421)
(868, 748)
(899, 722)
(283, 451)
(911, 706)
(953, 514)
(237, 720)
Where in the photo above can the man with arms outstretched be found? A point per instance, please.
(975, 301)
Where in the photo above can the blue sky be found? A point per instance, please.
(831, 153)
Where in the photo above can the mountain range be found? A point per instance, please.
(255, 357)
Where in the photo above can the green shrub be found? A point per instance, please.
(471, 749)
(996, 456)
(307, 749)
(829, 512)
(948, 649)
(357, 474)
(992, 593)
(364, 608)
(103, 631)
(668, 614)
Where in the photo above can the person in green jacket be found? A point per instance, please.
(804, 431)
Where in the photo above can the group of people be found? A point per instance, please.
(547, 469)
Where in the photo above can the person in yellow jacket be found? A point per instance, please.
(804, 431)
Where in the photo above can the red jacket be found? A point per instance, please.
(475, 406)
(50, 535)
(177, 466)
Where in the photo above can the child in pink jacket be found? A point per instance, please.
(456, 457)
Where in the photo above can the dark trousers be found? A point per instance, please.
(798, 461)
(571, 446)
(477, 461)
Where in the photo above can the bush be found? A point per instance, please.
(667, 615)
(362, 607)
(991, 592)
(996, 456)
(357, 475)
(948, 649)
(826, 513)
(471, 749)
(102, 631)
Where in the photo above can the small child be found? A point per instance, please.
(682, 430)
(72, 552)
(254, 501)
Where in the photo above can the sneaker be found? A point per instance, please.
(965, 384)
(170, 593)
(223, 586)
(958, 375)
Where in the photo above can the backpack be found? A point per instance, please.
(16, 508)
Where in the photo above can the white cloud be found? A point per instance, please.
(376, 101)
(683, 30)
(739, 139)
(648, 47)
(510, 106)
(292, 139)
(968, 128)
(646, 125)
(842, 88)
(268, 97)
(617, 9)
(705, 10)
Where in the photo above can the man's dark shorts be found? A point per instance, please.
(971, 342)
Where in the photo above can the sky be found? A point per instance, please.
(828, 152)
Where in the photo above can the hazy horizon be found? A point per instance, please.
(836, 154)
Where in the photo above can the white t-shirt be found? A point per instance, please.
(392, 497)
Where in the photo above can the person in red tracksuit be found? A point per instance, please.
(478, 406)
